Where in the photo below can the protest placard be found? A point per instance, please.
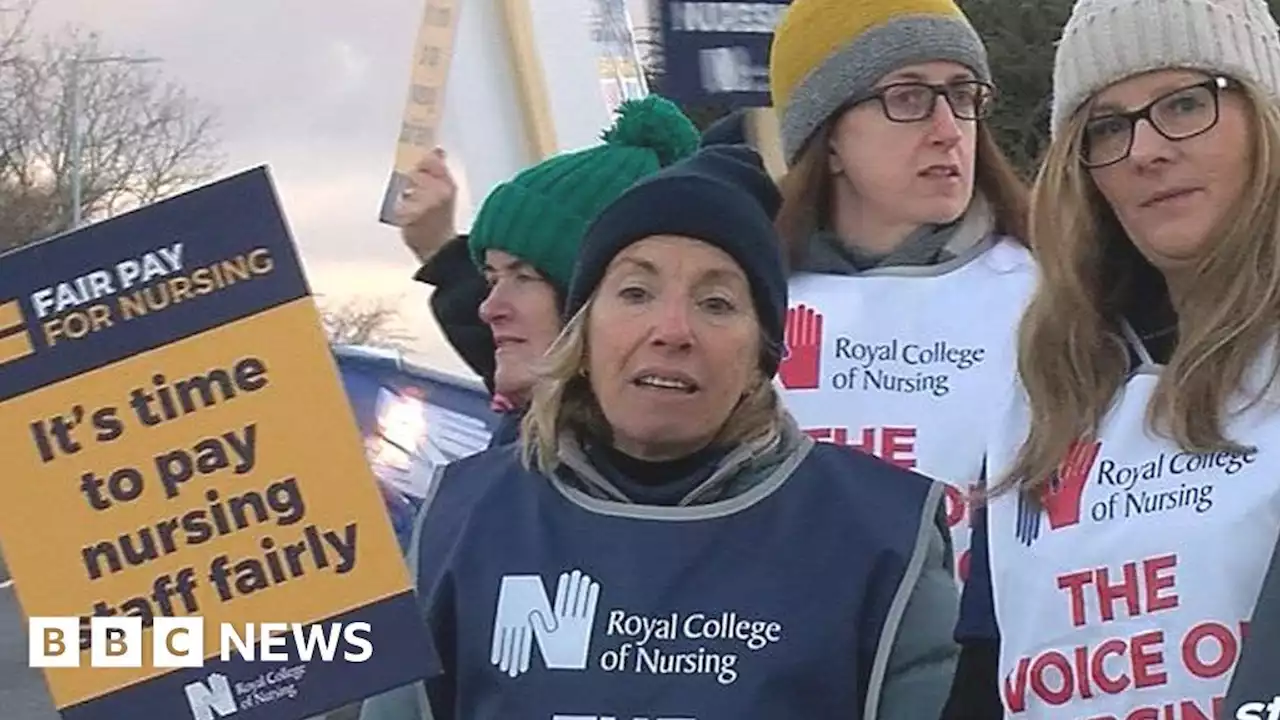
(420, 125)
(177, 445)
(717, 51)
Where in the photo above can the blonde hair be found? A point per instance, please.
(562, 401)
(1070, 359)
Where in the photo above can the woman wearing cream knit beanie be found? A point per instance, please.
(902, 220)
(1132, 531)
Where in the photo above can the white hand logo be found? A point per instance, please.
(563, 634)
(519, 598)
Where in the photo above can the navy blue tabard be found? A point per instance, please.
(547, 604)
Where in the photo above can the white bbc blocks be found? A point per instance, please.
(116, 642)
(53, 642)
(177, 642)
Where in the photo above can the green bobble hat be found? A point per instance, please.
(541, 214)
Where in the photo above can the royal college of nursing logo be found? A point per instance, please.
(706, 646)
(1062, 495)
(216, 697)
(211, 699)
(560, 627)
(801, 366)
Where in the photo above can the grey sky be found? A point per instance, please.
(313, 88)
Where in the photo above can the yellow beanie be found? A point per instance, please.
(825, 52)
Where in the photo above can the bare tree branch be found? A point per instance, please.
(143, 138)
(14, 18)
(365, 321)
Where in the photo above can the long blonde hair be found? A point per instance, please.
(1071, 361)
(563, 401)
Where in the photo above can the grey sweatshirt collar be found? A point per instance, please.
(742, 469)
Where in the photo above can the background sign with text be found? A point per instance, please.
(718, 52)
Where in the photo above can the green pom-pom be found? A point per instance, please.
(656, 124)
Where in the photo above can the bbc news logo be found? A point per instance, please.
(115, 642)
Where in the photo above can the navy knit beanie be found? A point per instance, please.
(721, 195)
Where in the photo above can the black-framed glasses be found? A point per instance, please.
(908, 102)
(1177, 115)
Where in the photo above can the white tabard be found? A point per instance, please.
(1127, 596)
(910, 364)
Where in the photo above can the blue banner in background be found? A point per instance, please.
(413, 420)
(718, 52)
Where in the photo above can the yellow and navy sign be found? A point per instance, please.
(177, 442)
(15, 343)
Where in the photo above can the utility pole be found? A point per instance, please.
(77, 152)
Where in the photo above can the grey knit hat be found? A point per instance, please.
(825, 52)
(1105, 41)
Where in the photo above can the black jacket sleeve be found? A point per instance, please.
(459, 290)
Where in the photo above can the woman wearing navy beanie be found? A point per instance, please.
(664, 541)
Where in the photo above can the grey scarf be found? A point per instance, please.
(928, 245)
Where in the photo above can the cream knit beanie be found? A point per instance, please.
(1108, 40)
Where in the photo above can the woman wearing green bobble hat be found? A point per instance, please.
(525, 240)
(525, 236)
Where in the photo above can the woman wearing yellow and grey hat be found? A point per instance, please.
(902, 221)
